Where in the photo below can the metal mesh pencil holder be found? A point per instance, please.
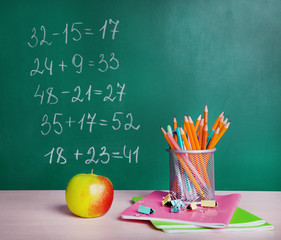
(192, 174)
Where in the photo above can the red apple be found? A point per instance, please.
(89, 195)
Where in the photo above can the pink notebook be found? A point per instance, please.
(218, 217)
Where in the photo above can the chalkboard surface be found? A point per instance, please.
(87, 84)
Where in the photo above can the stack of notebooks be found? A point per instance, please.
(227, 216)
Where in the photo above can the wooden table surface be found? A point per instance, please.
(44, 215)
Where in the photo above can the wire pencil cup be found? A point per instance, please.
(192, 174)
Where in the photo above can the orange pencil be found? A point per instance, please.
(222, 132)
(175, 125)
(167, 139)
(215, 125)
(197, 122)
(200, 132)
(193, 132)
(206, 115)
(189, 133)
(221, 122)
(204, 138)
(226, 119)
(185, 141)
(211, 144)
(191, 136)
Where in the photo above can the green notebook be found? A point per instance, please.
(240, 221)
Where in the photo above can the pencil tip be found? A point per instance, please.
(163, 131)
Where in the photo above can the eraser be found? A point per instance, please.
(209, 203)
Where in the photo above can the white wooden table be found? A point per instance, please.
(44, 215)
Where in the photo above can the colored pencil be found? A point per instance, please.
(169, 129)
(204, 138)
(200, 132)
(189, 133)
(180, 140)
(197, 123)
(211, 144)
(206, 115)
(221, 122)
(185, 141)
(175, 125)
(221, 133)
(215, 125)
(193, 132)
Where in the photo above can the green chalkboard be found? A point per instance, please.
(87, 84)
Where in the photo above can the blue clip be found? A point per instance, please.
(145, 210)
(177, 202)
(175, 209)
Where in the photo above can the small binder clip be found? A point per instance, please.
(145, 210)
(209, 203)
(176, 205)
(177, 202)
(191, 206)
(175, 209)
(167, 201)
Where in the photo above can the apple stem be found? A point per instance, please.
(92, 171)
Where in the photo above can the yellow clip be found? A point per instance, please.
(167, 200)
(191, 206)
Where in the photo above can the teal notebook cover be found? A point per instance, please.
(241, 220)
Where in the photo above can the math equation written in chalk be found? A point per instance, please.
(48, 75)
